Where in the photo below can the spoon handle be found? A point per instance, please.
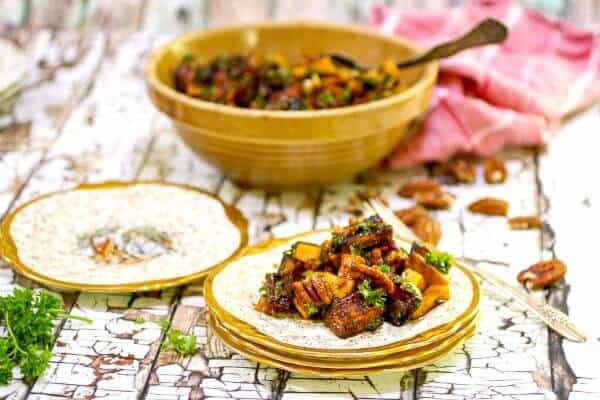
(488, 31)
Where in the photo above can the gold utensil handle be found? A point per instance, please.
(554, 318)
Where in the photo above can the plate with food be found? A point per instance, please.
(351, 293)
(121, 236)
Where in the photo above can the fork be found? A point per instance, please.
(554, 318)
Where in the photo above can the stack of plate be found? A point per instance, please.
(308, 346)
(12, 71)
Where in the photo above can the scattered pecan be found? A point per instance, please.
(489, 206)
(414, 186)
(525, 222)
(542, 274)
(434, 200)
(494, 171)
(427, 229)
(421, 223)
(410, 215)
(462, 170)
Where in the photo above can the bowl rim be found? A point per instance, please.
(153, 81)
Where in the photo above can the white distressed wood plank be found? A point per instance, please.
(572, 211)
(105, 138)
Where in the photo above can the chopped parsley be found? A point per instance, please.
(374, 324)
(325, 99)
(182, 344)
(311, 309)
(373, 297)
(139, 320)
(188, 58)
(337, 240)
(164, 324)
(262, 290)
(367, 225)
(346, 95)
(177, 340)
(278, 288)
(442, 261)
(386, 269)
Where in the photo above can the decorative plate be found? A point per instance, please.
(233, 307)
(399, 362)
(121, 236)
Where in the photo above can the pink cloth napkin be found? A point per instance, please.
(513, 94)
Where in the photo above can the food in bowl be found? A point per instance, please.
(356, 280)
(271, 82)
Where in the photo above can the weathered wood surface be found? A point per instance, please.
(84, 117)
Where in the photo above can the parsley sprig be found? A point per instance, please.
(177, 340)
(27, 316)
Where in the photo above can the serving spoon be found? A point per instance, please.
(488, 31)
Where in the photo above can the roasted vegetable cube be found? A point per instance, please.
(307, 252)
(351, 315)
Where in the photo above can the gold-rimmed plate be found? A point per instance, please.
(405, 355)
(355, 369)
(240, 317)
(121, 236)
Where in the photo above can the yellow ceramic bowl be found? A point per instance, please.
(290, 148)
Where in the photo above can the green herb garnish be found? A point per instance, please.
(139, 320)
(176, 340)
(27, 316)
(386, 269)
(442, 261)
(188, 58)
(164, 324)
(311, 309)
(373, 297)
(325, 98)
(182, 344)
(337, 240)
(374, 324)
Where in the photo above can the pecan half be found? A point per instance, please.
(489, 206)
(427, 229)
(421, 223)
(434, 200)
(542, 274)
(525, 222)
(414, 186)
(410, 215)
(462, 170)
(494, 171)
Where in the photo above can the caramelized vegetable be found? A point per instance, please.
(270, 82)
(307, 252)
(357, 280)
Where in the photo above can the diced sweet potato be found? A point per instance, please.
(416, 278)
(432, 296)
(307, 252)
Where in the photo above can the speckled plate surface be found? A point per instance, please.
(282, 335)
(398, 362)
(121, 236)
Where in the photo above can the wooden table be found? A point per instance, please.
(84, 117)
